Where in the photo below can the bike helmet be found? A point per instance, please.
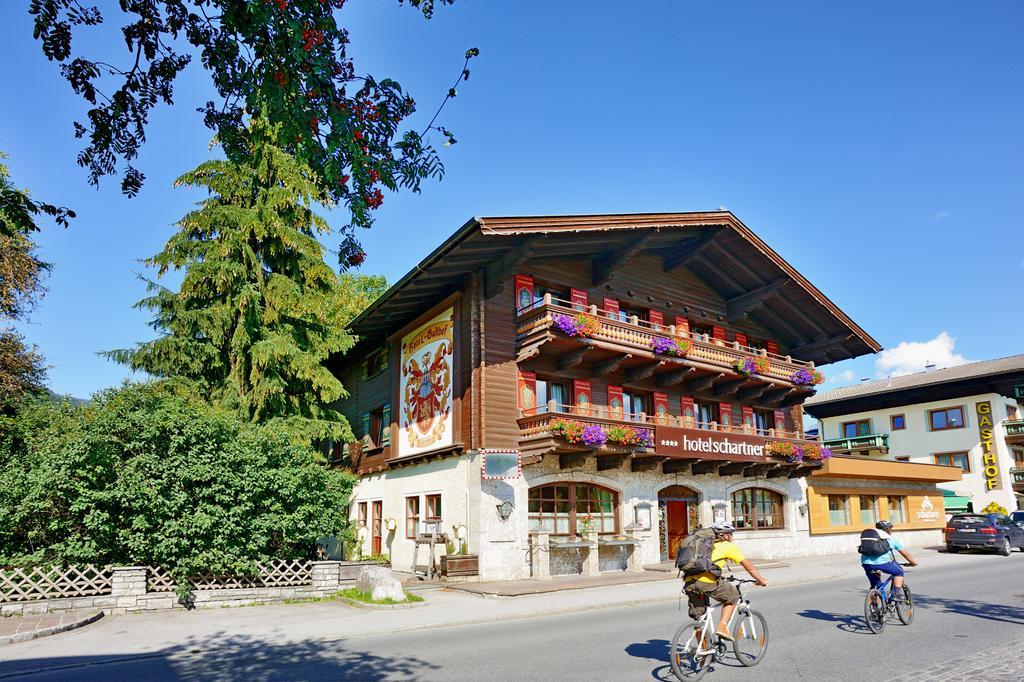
(884, 525)
(723, 528)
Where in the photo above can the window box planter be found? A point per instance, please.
(460, 564)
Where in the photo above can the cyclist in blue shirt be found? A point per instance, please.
(886, 563)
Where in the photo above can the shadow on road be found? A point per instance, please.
(659, 650)
(227, 656)
(844, 621)
(1003, 613)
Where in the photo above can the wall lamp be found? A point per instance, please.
(505, 510)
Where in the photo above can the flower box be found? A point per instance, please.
(460, 564)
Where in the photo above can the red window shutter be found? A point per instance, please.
(656, 319)
(682, 326)
(527, 392)
(615, 407)
(718, 333)
(748, 418)
(611, 306)
(524, 292)
(780, 420)
(772, 347)
(725, 414)
(661, 408)
(686, 403)
(741, 339)
(582, 396)
(579, 298)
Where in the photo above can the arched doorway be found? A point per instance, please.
(677, 513)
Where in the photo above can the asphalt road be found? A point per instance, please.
(816, 630)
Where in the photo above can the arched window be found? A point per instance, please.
(756, 509)
(561, 508)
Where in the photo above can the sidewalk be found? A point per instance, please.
(33, 625)
(148, 634)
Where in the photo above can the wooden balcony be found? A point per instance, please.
(860, 444)
(625, 345)
(538, 438)
(1014, 430)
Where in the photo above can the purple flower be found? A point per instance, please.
(826, 453)
(645, 437)
(802, 377)
(663, 345)
(566, 325)
(594, 436)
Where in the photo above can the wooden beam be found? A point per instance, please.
(799, 472)
(732, 468)
(737, 307)
(638, 464)
(643, 371)
(778, 472)
(571, 459)
(751, 392)
(776, 394)
(497, 272)
(757, 469)
(705, 467)
(720, 273)
(820, 344)
(677, 466)
(674, 377)
(574, 357)
(795, 398)
(702, 383)
(775, 322)
(610, 365)
(603, 267)
(722, 253)
(728, 387)
(682, 255)
(799, 312)
(606, 462)
(527, 353)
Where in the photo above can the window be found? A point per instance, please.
(954, 459)
(756, 344)
(626, 313)
(701, 330)
(868, 509)
(558, 296)
(1018, 457)
(433, 509)
(635, 403)
(756, 508)
(858, 428)
(897, 422)
(559, 508)
(1011, 412)
(838, 510)
(763, 421)
(552, 391)
(902, 458)
(897, 509)
(376, 362)
(361, 514)
(946, 418)
(377, 428)
(706, 413)
(412, 517)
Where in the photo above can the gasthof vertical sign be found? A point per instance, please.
(989, 461)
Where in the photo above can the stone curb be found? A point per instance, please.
(365, 605)
(53, 630)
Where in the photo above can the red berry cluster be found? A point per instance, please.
(356, 258)
(374, 175)
(375, 198)
(280, 78)
(311, 37)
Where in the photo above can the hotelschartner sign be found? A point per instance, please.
(673, 441)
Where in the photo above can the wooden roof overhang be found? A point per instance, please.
(752, 279)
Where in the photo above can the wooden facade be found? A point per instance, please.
(701, 279)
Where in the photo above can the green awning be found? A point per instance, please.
(955, 504)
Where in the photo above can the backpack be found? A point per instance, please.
(873, 544)
(694, 555)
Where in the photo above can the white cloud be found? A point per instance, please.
(911, 356)
(841, 379)
(938, 215)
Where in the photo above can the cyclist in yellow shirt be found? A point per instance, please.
(702, 586)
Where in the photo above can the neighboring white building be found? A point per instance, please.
(969, 416)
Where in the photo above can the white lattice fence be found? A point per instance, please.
(53, 582)
(277, 573)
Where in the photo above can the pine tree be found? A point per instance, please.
(258, 310)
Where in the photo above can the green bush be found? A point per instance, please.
(152, 475)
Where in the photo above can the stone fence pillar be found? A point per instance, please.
(592, 563)
(540, 556)
(127, 584)
(326, 575)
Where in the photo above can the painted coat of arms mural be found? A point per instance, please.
(426, 385)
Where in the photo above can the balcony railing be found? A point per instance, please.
(1017, 473)
(1014, 429)
(536, 422)
(871, 441)
(635, 333)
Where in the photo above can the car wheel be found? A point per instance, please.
(1005, 548)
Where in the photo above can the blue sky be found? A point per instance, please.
(876, 146)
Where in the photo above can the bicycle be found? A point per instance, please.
(703, 647)
(881, 602)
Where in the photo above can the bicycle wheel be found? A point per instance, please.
(750, 638)
(686, 664)
(905, 607)
(874, 611)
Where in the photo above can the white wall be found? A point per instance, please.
(920, 444)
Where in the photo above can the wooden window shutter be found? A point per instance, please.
(524, 292)
(741, 339)
(686, 403)
(615, 404)
(656, 319)
(725, 414)
(682, 326)
(579, 299)
(780, 420)
(748, 418)
(772, 347)
(385, 425)
(718, 333)
(611, 306)
(365, 368)
(527, 392)
(367, 441)
(661, 408)
(582, 396)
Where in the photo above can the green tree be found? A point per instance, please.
(258, 310)
(282, 60)
(152, 474)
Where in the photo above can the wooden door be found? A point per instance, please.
(676, 526)
(375, 528)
